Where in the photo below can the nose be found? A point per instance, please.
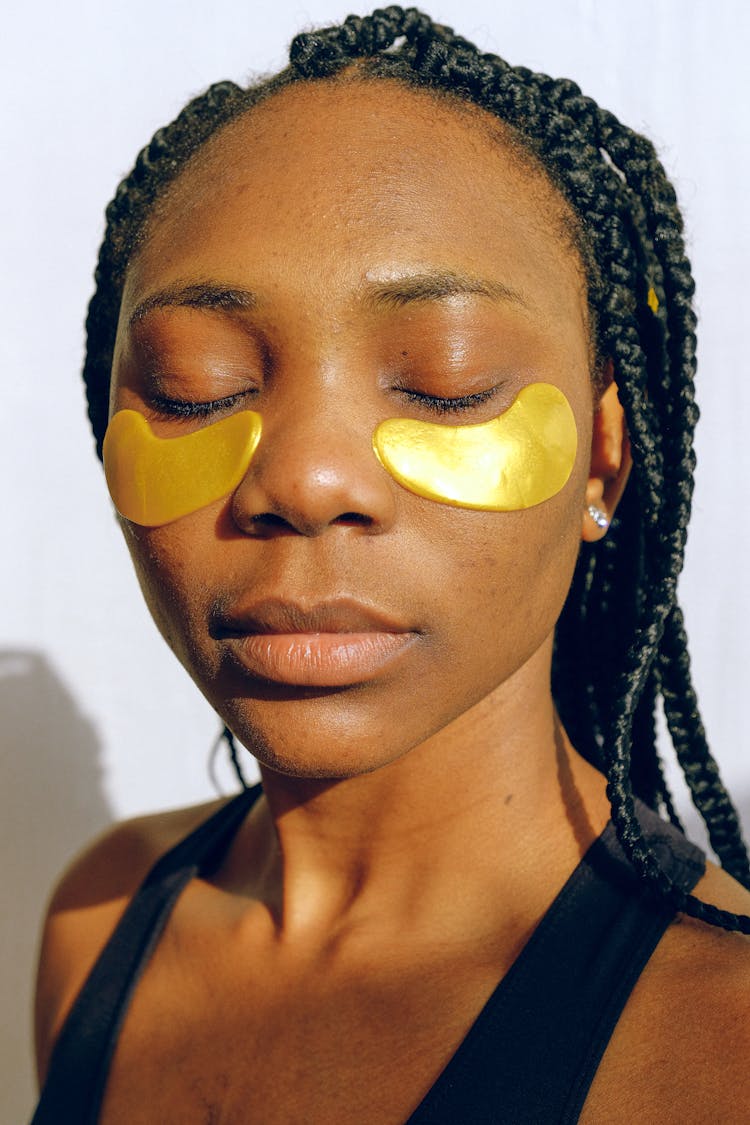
(314, 468)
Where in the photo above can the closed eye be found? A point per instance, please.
(440, 405)
(437, 404)
(182, 408)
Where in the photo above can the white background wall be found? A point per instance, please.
(98, 721)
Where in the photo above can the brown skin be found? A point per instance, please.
(336, 910)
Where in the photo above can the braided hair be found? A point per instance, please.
(620, 644)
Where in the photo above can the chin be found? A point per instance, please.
(335, 752)
(314, 765)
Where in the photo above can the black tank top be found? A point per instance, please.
(530, 1056)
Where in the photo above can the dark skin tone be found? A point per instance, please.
(389, 265)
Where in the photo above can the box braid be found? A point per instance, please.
(620, 643)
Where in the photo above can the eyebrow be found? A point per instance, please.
(436, 284)
(198, 295)
(429, 286)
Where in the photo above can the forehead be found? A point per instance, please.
(325, 186)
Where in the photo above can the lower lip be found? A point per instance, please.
(318, 659)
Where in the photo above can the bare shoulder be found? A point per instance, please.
(681, 1049)
(87, 903)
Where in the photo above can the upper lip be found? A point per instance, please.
(279, 615)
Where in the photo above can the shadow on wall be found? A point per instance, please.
(51, 803)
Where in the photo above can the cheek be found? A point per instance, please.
(509, 577)
(169, 565)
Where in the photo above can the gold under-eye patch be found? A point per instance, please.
(514, 461)
(154, 481)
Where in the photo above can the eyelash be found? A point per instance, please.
(179, 408)
(439, 405)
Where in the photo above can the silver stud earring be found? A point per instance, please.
(600, 518)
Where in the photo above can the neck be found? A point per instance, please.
(474, 806)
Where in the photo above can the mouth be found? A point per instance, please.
(335, 643)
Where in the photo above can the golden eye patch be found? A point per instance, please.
(154, 481)
(514, 461)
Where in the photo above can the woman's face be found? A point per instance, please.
(343, 255)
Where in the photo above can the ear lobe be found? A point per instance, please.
(611, 461)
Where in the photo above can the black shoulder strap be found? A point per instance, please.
(80, 1061)
(531, 1055)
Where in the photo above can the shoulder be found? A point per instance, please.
(680, 1050)
(715, 965)
(87, 903)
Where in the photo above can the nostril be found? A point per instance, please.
(354, 518)
(272, 524)
(270, 521)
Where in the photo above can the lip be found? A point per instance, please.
(335, 643)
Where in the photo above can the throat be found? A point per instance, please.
(381, 855)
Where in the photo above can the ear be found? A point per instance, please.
(611, 459)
